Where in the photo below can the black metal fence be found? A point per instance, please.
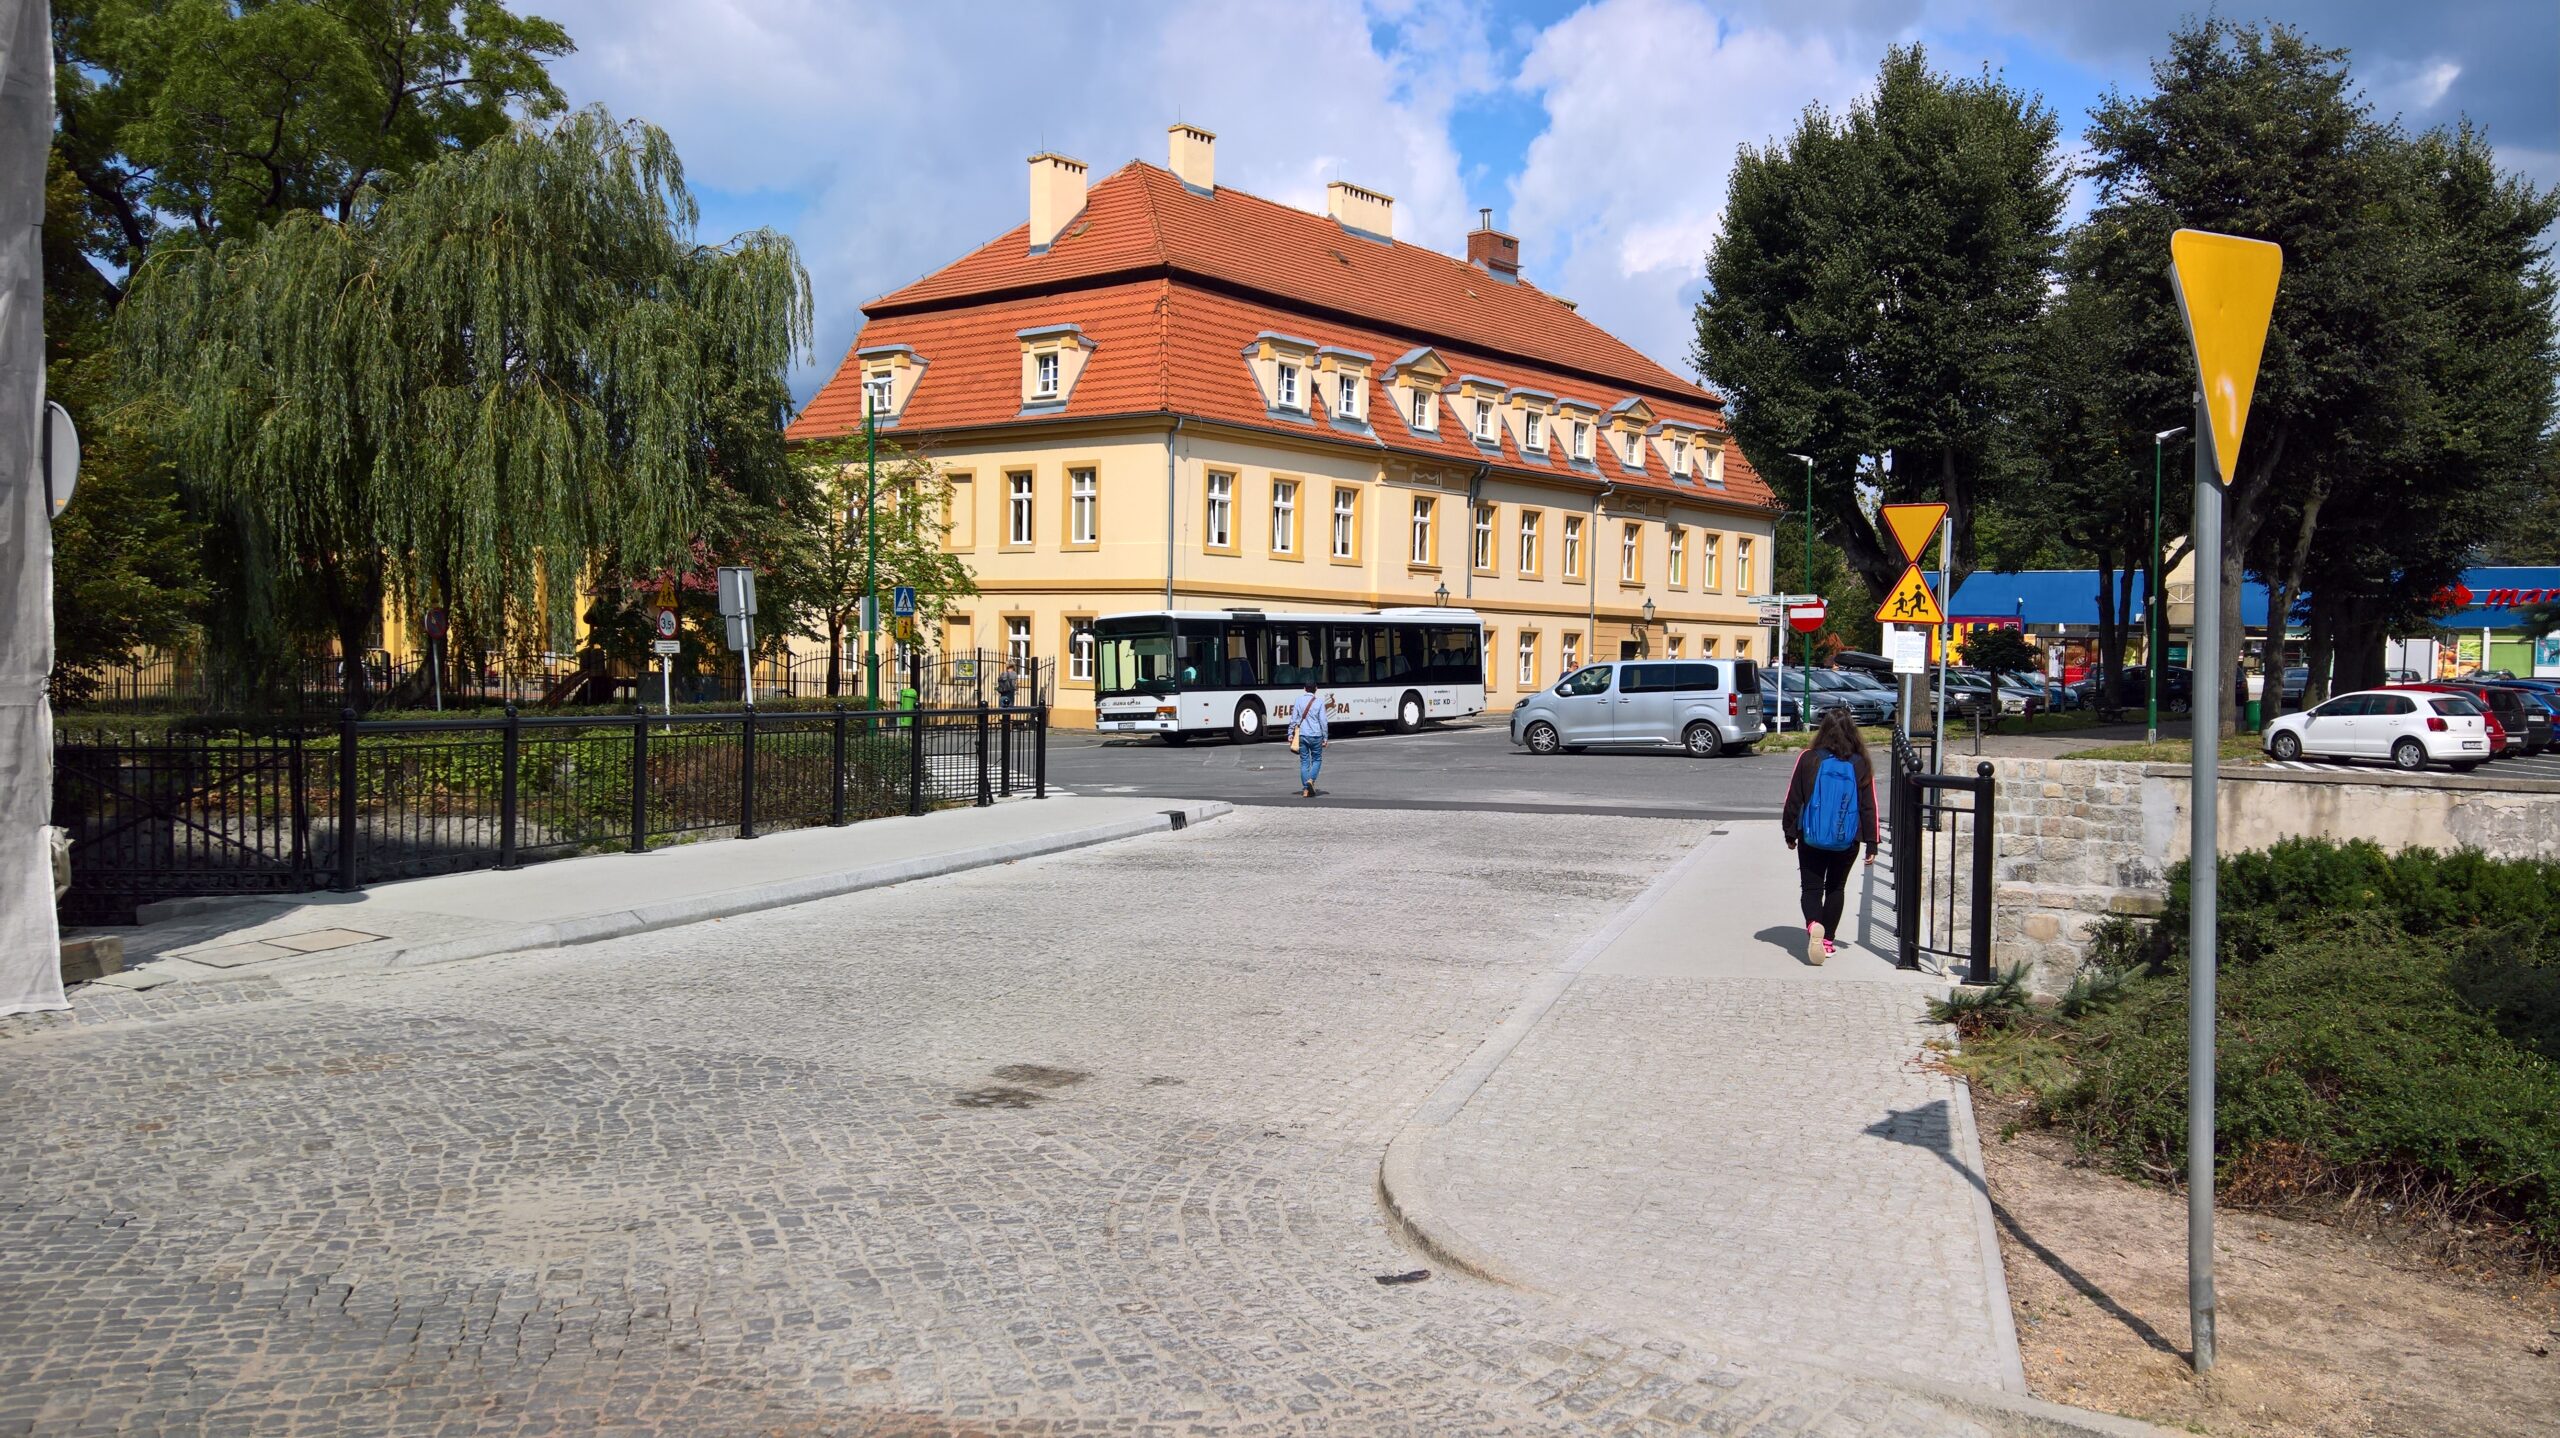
(364, 801)
(1940, 834)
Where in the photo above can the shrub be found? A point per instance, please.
(1996, 1005)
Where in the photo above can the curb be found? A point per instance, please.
(1406, 1197)
(728, 903)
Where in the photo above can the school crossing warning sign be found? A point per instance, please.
(1910, 602)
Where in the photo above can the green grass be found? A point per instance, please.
(2236, 748)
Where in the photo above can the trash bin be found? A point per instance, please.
(2257, 703)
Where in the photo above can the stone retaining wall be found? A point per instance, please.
(2079, 840)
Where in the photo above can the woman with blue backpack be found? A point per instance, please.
(1831, 810)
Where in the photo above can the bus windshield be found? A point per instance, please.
(1132, 656)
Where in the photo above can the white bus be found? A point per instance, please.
(1239, 671)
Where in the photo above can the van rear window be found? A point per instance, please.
(1746, 675)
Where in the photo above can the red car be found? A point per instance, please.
(2502, 741)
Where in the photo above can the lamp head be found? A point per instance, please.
(2166, 435)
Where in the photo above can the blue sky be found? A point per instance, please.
(888, 138)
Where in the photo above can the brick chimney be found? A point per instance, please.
(1193, 157)
(1057, 196)
(1491, 249)
(1367, 211)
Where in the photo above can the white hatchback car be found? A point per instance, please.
(2410, 728)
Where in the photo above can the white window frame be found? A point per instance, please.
(1679, 456)
(1017, 641)
(1630, 551)
(1083, 499)
(1080, 650)
(1710, 545)
(1347, 396)
(1482, 555)
(1635, 449)
(1044, 375)
(1284, 516)
(1582, 439)
(1346, 524)
(1742, 564)
(1288, 387)
(1221, 512)
(1020, 493)
(1573, 546)
(1421, 408)
(1533, 431)
(1528, 671)
(876, 390)
(1426, 511)
(1676, 572)
(1571, 654)
(1484, 420)
(1529, 537)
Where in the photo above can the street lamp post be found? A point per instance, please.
(2151, 600)
(1644, 631)
(870, 555)
(1440, 596)
(1808, 565)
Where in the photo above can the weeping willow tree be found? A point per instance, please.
(491, 378)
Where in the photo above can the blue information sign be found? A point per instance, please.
(904, 600)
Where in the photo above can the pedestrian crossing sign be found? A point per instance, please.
(1910, 602)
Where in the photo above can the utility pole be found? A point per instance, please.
(870, 554)
(1808, 575)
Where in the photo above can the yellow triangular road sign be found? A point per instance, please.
(1913, 526)
(1910, 602)
(2227, 291)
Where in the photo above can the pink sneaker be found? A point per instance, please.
(1829, 948)
(1816, 947)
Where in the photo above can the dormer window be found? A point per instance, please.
(875, 393)
(1533, 433)
(1422, 409)
(1635, 451)
(1044, 375)
(1289, 388)
(1484, 420)
(1582, 439)
(1347, 396)
(1679, 456)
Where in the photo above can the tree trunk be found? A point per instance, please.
(2288, 588)
(2359, 659)
(2315, 652)
(835, 656)
(2110, 623)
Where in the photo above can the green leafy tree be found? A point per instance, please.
(1998, 649)
(210, 120)
(488, 378)
(908, 541)
(1875, 291)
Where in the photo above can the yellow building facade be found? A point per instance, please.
(1162, 394)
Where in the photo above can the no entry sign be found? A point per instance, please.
(1806, 618)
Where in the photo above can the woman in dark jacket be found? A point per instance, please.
(1823, 874)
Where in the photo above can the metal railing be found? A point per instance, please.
(1943, 862)
(366, 801)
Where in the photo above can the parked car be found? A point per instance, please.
(2518, 712)
(1866, 705)
(2508, 723)
(2411, 728)
(1859, 661)
(1805, 698)
(2296, 679)
(1706, 706)
(2177, 687)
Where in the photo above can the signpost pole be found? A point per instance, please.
(2202, 872)
(667, 685)
(435, 668)
(1946, 596)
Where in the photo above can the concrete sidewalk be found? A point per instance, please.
(1686, 1123)
(605, 896)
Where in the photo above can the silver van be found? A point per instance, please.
(1706, 706)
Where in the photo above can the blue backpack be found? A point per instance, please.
(1830, 818)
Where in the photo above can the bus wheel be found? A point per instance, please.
(1409, 713)
(1541, 738)
(1249, 722)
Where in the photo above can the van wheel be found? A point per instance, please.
(1703, 741)
(2286, 746)
(1541, 738)
(1249, 726)
(2409, 754)
(1409, 712)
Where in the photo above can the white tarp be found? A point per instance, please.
(30, 946)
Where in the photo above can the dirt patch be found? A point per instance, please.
(1041, 1075)
(2323, 1333)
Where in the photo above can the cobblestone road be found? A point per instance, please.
(1085, 1144)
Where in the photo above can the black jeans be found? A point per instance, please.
(1823, 877)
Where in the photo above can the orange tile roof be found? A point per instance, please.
(1140, 217)
(1169, 286)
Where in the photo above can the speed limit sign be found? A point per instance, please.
(666, 624)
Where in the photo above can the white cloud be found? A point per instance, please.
(898, 131)
(1647, 101)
